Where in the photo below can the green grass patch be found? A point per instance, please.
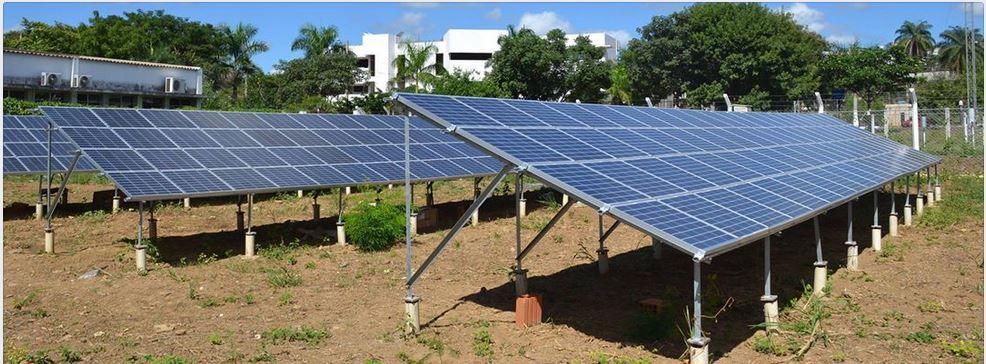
(963, 200)
(283, 277)
(482, 341)
(308, 335)
(604, 358)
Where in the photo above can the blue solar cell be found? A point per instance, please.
(450, 109)
(245, 120)
(286, 177)
(331, 155)
(366, 137)
(65, 117)
(390, 171)
(12, 122)
(243, 179)
(166, 119)
(207, 119)
(604, 143)
(423, 170)
(341, 121)
(303, 138)
(20, 136)
(363, 154)
(270, 138)
(122, 118)
(190, 138)
(369, 121)
(391, 136)
(592, 183)
(582, 115)
(215, 158)
(280, 121)
(312, 121)
(471, 165)
(112, 160)
(444, 150)
(12, 165)
(564, 144)
(335, 137)
(143, 183)
(258, 157)
(394, 153)
(325, 175)
(358, 173)
(196, 181)
(144, 138)
(420, 152)
(39, 164)
(28, 149)
(170, 159)
(635, 178)
(517, 145)
(544, 114)
(501, 112)
(296, 156)
(232, 138)
(447, 168)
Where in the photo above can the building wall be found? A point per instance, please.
(466, 50)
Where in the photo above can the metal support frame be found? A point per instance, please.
(849, 222)
(852, 249)
(429, 194)
(520, 275)
(907, 191)
(766, 266)
(818, 241)
(544, 231)
(249, 214)
(821, 266)
(697, 339)
(316, 209)
(893, 198)
(459, 224)
(876, 209)
(140, 247)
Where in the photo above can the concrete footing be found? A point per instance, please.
(852, 256)
(301, 193)
(523, 207)
(603, 260)
(116, 204)
(931, 198)
(656, 248)
(341, 233)
(39, 211)
(520, 281)
(187, 201)
(474, 219)
(250, 245)
(819, 281)
(239, 221)
(348, 190)
(152, 228)
(698, 350)
(920, 206)
(564, 199)
(412, 317)
(876, 237)
(938, 193)
(770, 314)
(414, 223)
(141, 258)
(316, 211)
(908, 216)
(892, 224)
(49, 241)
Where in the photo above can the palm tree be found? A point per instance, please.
(240, 46)
(315, 40)
(412, 67)
(954, 47)
(915, 38)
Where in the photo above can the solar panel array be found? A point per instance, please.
(156, 154)
(704, 182)
(25, 147)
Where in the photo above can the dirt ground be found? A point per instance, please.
(921, 300)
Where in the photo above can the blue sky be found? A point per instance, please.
(869, 23)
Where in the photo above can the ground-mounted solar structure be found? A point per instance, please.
(154, 155)
(702, 182)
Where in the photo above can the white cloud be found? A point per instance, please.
(977, 8)
(421, 5)
(494, 14)
(409, 22)
(812, 19)
(543, 22)
(842, 39)
(411, 19)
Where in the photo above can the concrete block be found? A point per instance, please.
(820, 278)
(250, 245)
(49, 241)
(603, 260)
(892, 224)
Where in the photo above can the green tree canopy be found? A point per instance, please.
(239, 47)
(869, 72)
(711, 48)
(317, 40)
(460, 83)
(529, 65)
(413, 70)
(954, 46)
(915, 38)
(586, 74)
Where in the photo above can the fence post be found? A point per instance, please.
(821, 106)
(855, 110)
(915, 129)
(729, 105)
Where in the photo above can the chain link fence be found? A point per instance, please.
(942, 131)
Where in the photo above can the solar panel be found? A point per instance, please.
(158, 154)
(25, 147)
(705, 182)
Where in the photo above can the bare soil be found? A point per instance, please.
(202, 302)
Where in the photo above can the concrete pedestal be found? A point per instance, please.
(116, 204)
(348, 190)
(821, 275)
(931, 199)
(341, 233)
(564, 199)
(316, 211)
(852, 256)
(937, 193)
(520, 281)
(301, 193)
(603, 260)
(876, 237)
(770, 313)
(908, 216)
(239, 221)
(656, 248)
(474, 219)
(414, 223)
(523, 207)
(49, 241)
(920, 206)
(141, 258)
(892, 224)
(698, 350)
(250, 245)
(152, 228)
(187, 201)
(412, 317)
(39, 211)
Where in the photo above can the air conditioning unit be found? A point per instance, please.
(81, 81)
(173, 85)
(50, 79)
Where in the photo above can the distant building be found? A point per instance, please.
(38, 76)
(459, 49)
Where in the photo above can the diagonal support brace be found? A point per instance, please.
(609, 231)
(61, 189)
(544, 231)
(460, 223)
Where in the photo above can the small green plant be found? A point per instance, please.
(94, 216)
(30, 298)
(208, 302)
(931, 307)
(482, 341)
(215, 339)
(249, 299)
(767, 345)
(603, 358)
(285, 299)
(282, 277)
(305, 334)
(923, 337)
(649, 327)
(164, 359)
(280, 251)
(310, 265)
(375, 228)
(69, 355)
(963, 348)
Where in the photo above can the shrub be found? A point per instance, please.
(374, 228)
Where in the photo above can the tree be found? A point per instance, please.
(587, 75)
(954, 46)
(736, 48)
(529, 65)
(619, 89)
(915, 38)
(869, 72)
(323, 74)
(412, 66)
(240, 47)
(317, 40)
(460, 83)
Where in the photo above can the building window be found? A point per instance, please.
(17, 94)
(90, 99)
(122, 101)
(51, 96)
(372, 60)
(439, 63)
(153, 103)
(470, 56)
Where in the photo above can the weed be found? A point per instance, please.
(375, 228)
(164, 359)
(839, 357)
(204, 258)
(69, 355)
(603, 358)
(435, 344)
(285, 299)
(963, 348)
(215, 338)
(208, 302)
(965, 201)
(177, 277)
(650, 327)
(372, 361)
(30, 298)
(893, 315)
(310, 265)
(309, 335)
(768, 345)
(263, 356)
(282, 277)
(280, 251)
(931, 307)
(39, 313)
(923, 337)
(482, 341)
(93, 216)
(248, 299)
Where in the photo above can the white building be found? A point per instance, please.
(38, 76)
(459, 49)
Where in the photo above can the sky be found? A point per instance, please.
(278, 23)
